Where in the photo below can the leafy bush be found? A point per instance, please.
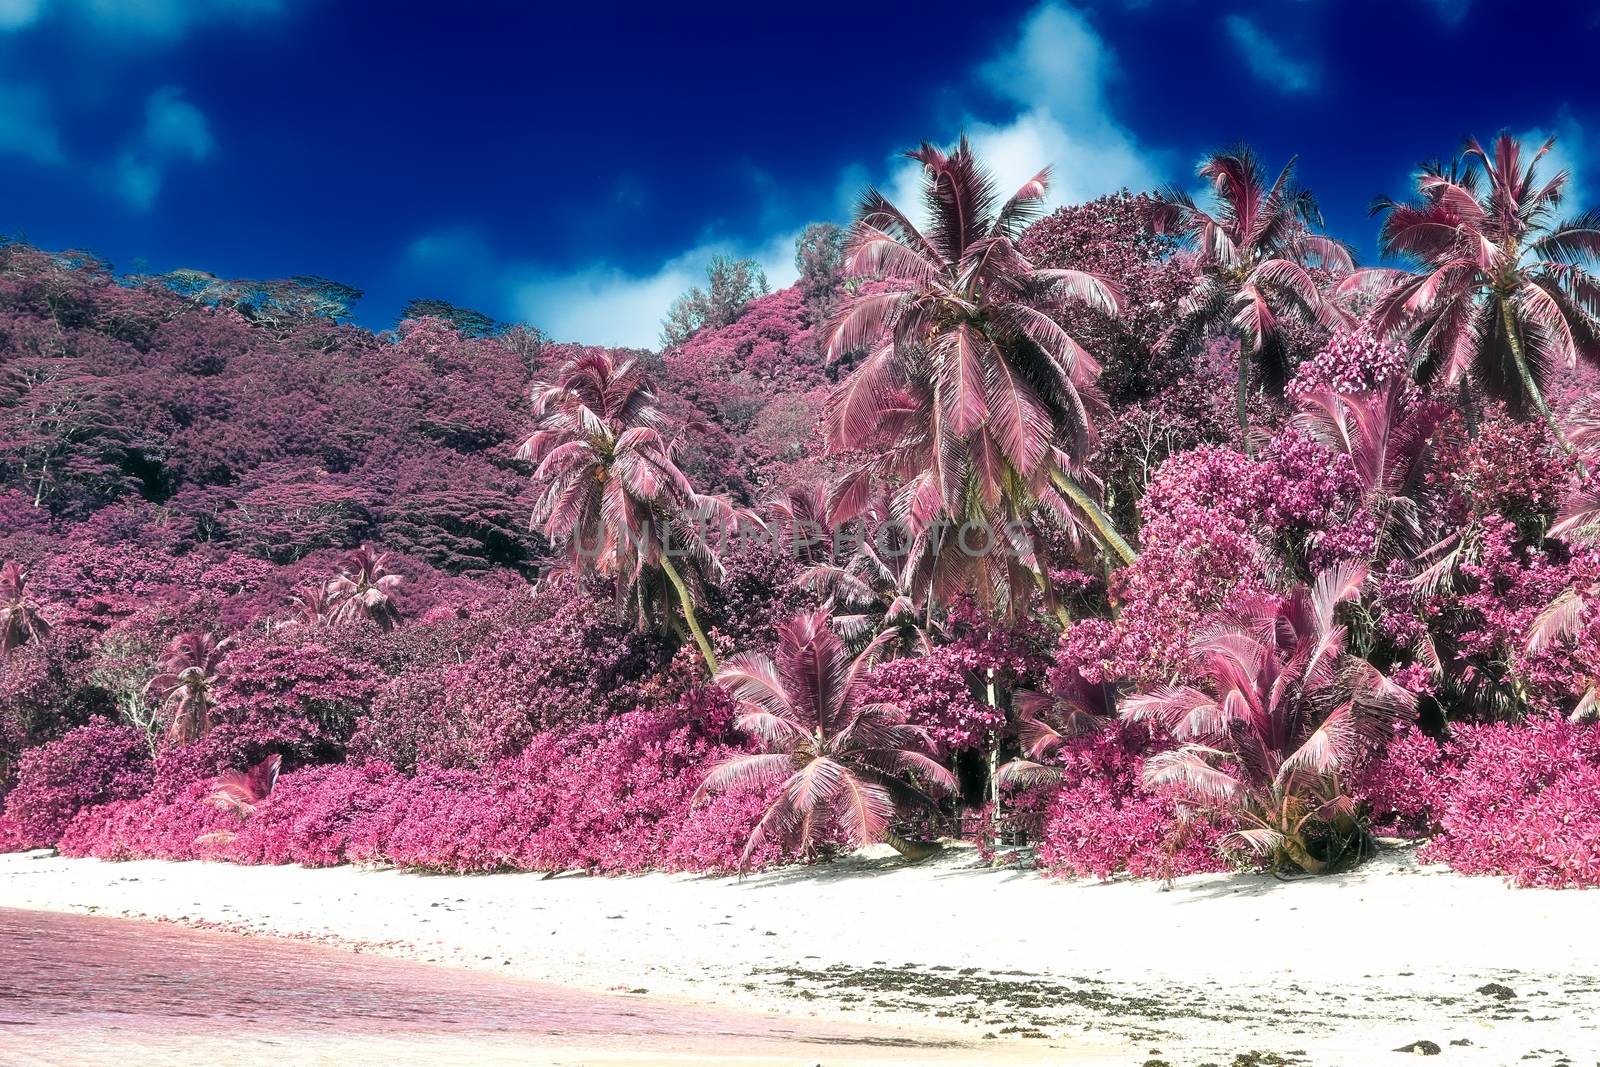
(94, 764)
(1520, 800)
(1101, 820)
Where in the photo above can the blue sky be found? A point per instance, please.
(575, 165)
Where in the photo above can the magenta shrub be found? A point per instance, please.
(1101, 821)
(610, 798)
(1519, 800)
(94, 764)
(309, 816)
(300, 678)
(567, 659)
(162, 825)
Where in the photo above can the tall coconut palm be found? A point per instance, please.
(839, 763)
(1251, 257)
(972, 398)
(1502, 290)
(1282, 709)
(190, 670)
(613, 499)
(20, 621)
(364, 588)
(1574, 609)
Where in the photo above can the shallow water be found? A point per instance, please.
(88, 990)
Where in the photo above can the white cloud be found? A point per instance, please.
(608, 306)
(27, 128)
(127, 20)
(1056, 76)
(1451, 12)
(1571, 154)
(457, 247)
(1268, 61)
(16, 14)
(174, 131)
(1054, 80)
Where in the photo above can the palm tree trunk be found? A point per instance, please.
(1105, 530)
(1042, 580)
(1295, 848)
(689, 616)
(1244, 401)
(1531, 387)
(912, 851)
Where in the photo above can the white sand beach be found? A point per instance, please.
(1340, 970)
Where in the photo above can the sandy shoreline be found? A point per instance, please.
(1333, 971)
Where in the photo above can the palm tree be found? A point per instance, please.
(1073, 709)
(971, 398)
(838, 763)
(613, 499)
(241, 792)
(1502, 290)
(313, 604)
(853, 565)
(1572, 610)
(20, 621)
(191, 669)
(1580, 517)
(1387, 437)
(1281, 710)
(364, 589)
(1250, 258)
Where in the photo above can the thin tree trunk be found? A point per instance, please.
(1531, 387)
(689, 616)
(1244, 401)
(994, 772)
(1105, 530)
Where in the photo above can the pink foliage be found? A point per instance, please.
(1519, 800)
(1101, 821)
(611, 798)
(568, 658)
(1350, 362)
(91, 765)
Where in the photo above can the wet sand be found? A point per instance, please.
(80, 990)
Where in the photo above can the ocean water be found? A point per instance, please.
(85, 990)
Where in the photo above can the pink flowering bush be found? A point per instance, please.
(296, 678)
(937, 693)
(609, 798)
(1521, 800)
(309, 816)
(569, 658)
(162, 824)
(94, 764)
(1100, 820)
(1350, 362)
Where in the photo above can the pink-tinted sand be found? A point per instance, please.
(77, 990)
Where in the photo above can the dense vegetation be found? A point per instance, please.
(1151, 533)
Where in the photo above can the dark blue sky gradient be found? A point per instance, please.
(546, 139)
